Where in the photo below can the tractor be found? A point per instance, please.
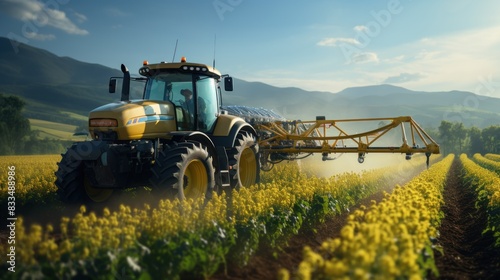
(176, 139)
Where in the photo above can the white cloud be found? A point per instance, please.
(333, 42)
(23, 10)
(115, 12)
(466, 60)
(40, 37)
(364, 57)
(80, 17)
(42, 15)
(403, 78)
(426, 54)
(395, 60)
(450, 62)
(360, 28)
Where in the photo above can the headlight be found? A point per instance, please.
(103, 123)
(194, 68)
(144, 71)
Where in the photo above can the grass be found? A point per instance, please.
(75, 116)
(53, 130)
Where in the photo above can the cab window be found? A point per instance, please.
(207, 103)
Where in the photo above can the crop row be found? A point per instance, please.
(486, 183)
(494, 157)
(191, 237)
(487, 163)
(387, 240)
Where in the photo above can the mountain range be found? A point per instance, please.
(63, 90)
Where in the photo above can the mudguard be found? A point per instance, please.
(227, 129)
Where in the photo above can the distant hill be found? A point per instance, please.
(427, 108)
(63, 90)
(290, 102)
(380, 91)
(52, 85)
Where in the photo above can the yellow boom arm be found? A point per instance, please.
(288, 139)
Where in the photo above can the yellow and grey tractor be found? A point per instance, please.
(181, 141)
(175, 139)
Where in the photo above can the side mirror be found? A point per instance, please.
(228, 84)
(112, 85)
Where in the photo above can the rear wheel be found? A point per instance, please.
(73, 186)
(244, 160)
(184, 170)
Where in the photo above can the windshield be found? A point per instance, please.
(196, 108)
(167, 86)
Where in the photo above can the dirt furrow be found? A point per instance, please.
(265, 266)
(467, 253)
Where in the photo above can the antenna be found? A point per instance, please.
(175, 50)
(215, 40)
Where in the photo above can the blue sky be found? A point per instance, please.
(321, 45)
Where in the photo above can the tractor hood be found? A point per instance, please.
(133, 119)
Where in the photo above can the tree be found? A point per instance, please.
(14, 127)
(491, 139)
(459, 134)
(82, 127)
(476, 144)
(445, 134)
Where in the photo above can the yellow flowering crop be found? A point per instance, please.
(487, 186)
(34, 176)
(494, 157)
(387, 240)
(487, 163)
(90, 235)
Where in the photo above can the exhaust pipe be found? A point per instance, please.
(126, 83)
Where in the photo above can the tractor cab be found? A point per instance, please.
(192, 88)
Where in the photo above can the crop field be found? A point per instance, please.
(398, 221)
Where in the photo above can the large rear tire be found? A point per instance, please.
(244, 161)
(184, 170)
(73, 186)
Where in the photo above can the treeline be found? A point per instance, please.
(455, 138)
(16, 136)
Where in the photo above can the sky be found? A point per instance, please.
(323, 45)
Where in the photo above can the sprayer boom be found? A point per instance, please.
(288, 140)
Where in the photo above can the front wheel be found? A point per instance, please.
(244, 160)
(72, 184)
(184, 170)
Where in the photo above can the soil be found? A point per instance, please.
(467, 253)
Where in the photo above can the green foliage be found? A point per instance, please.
(426, 261)
(248, 236)
(16, 136)
(13, 126)
(457, 139)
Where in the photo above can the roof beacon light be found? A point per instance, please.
(183, 59)
(145, 62)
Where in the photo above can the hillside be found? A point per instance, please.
(427, 108)
(53, 85)
(63, 90)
